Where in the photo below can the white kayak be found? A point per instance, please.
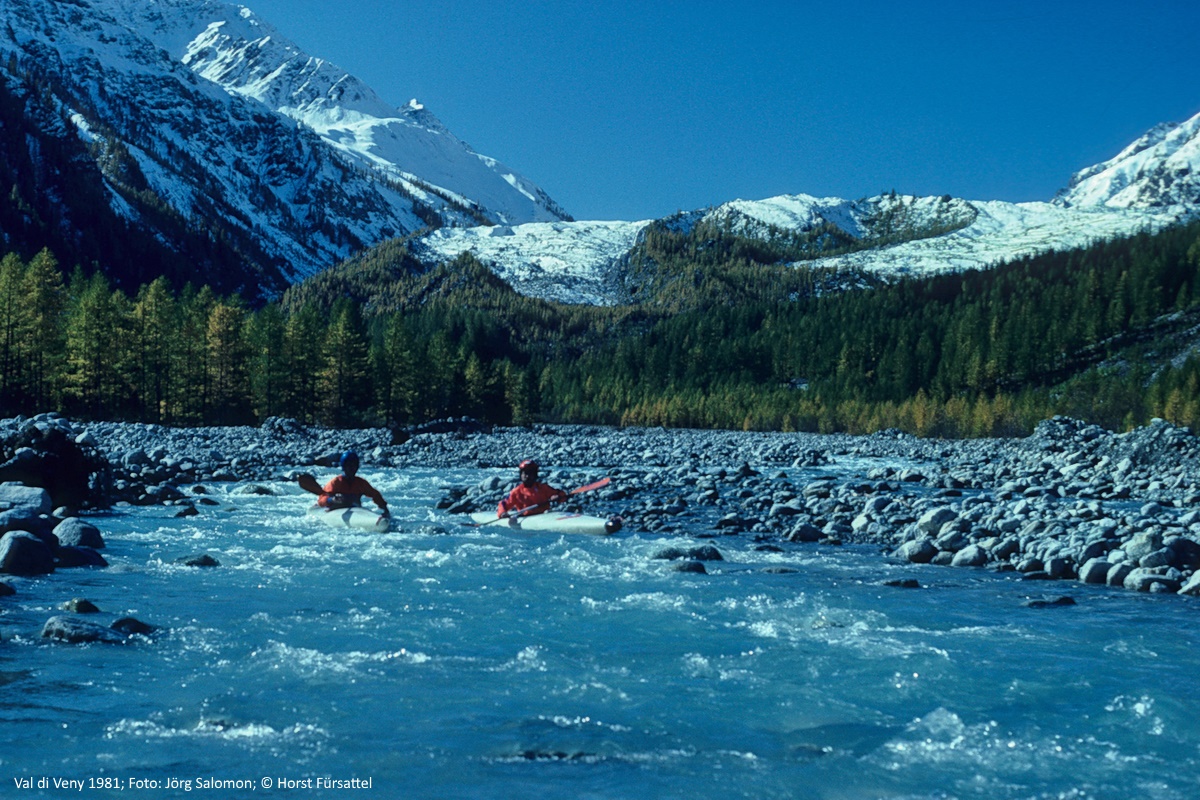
(358, 518)
(551, 522)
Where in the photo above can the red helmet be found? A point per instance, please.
(528, 465)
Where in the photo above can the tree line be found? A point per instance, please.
(1103, 333)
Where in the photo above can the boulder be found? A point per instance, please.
(78, 631)
(22, 553)
(67, 557)
(1144, 580)
(1142, 544)
(1163, 557)
(1095, 570)
(918, 551)
(1117, 574)
(199, 560)
(48, 457)
(74, 532)
(133, 626)
(933, 520)
(970, 556)
(18, 495)
(704, 553)
(29, 520)
(805, 532)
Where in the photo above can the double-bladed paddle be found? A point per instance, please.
(520, 512)
(309, 484)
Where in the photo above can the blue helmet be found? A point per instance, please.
(347, 457)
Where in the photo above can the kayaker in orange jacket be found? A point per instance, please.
(347, 489)
(530, 493)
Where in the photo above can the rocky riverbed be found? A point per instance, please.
(1072, 501)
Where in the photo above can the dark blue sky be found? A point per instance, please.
(632, 109)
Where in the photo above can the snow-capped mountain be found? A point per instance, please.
(199, 128)
(1161, 170)
(1152, 183)
(197, 111)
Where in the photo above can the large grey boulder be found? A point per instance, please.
(918, 551)
(970, 556)
(1143, 544)
(933, 520)
(1094, 570)
(74, 532)
(22, 553)
(18, 495)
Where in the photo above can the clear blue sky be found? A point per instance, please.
(633, 109)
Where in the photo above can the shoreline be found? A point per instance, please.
(1072, 501)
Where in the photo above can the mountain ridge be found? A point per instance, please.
(257, 184)
(1152, 183)
(226, 144)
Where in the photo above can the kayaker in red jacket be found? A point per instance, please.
(529, 493)
(347, 489)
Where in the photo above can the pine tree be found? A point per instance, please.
(12, 314)
(344, 376)
(41, 333)
(304, 337)
(228, 357)
(395, 373)
(92, 372)
(266, 340)
(156, 334)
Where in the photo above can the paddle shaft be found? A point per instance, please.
(523, 511)
(309, 484)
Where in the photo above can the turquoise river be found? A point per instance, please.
(442, 661)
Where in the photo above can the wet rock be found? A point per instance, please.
(6, 589)
(77, 631)
(133, 626)
(691, 566)
(703, 553)
(903, 583)
(22, 553)
(74, 532)
(805, 532)
(1117, 574)
(1143, 544)
(68, 557)
(80, 605)
(198, 560)
(1047, 602)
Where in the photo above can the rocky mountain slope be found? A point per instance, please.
(200, 117)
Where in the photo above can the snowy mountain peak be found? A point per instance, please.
(221, 123)
(1161, 169)
(245, 55)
